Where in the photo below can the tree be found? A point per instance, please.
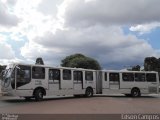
(39, 61)
(80, 61)
(151, 64)
(136, 68)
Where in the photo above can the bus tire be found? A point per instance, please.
(89, 92)
(135, 92)
(38, 94)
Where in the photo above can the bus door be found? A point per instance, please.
(89, 79)
(78, 80)
(114, 81)
(54, 79)
(66, 82)
(152, 82)
(105, 80)
(23, 77)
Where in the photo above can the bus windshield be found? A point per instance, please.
(6, 76)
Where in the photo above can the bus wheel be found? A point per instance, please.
(89, 92)
(38, 94)
(135, 92)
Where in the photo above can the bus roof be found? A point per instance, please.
(49, 66)
(122, 71)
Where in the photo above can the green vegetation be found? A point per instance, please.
(152, 64)
(80, 61)
(136, 68)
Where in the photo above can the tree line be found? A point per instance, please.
(82, 61)
(152, 64)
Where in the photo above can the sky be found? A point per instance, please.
(117, 33)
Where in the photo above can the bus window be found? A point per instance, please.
(128, 77)
(54, 74)
(66, 74)
(105, 76)
(151, 77)
(38, 73)
(78, 76)
(139, 77)
(23, 75)
(89, 76)
(114, 77)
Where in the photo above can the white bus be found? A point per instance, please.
(130, 83)
(38, 80)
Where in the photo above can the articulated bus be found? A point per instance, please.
(37, 81)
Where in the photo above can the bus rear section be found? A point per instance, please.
(130, 83)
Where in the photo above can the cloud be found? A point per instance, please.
(34, 21)
(5, 48)
(91, 27)
(49, 7)
(107, 45)
(11, 2)
(111, 12)
(7, 18)
(50, 56)
(97, 34)
(145, 28)
(7, 52)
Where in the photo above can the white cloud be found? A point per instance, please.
(6, 51)
(107, 45)
(49, 7)
(9, 61)
(9, 2)
(31, 51)
(91, 27)
(33, 22)
(7, 18)
(145, 28)
(3, 38)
